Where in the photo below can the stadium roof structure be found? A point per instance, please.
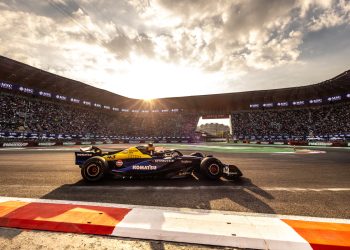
(338, 85)
(27, 76)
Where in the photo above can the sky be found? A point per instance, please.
(225, 121)
(165, 48)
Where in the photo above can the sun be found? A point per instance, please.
(147, 99)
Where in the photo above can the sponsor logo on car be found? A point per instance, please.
(186, 161)
(110, 157)
(119, 163)
(140, 167)
(82, 154)
(163, 160)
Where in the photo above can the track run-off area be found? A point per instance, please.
(277, 180)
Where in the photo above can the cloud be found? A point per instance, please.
(331, 17)
(223, 40)
(53, 9)
(226, 36)
(122, 45)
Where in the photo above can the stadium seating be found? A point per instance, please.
(27, 114)
(301, 122)
(20, 113)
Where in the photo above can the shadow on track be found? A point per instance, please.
(187, 192)
(9, 233)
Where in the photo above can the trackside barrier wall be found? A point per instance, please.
(265, 142)
(298, 143)
(19, 144)
(87, 143)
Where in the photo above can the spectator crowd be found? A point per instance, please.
(321, 120)
(35, 115)
(24, 114)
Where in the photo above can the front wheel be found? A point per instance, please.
(93, 170)
(212, 168)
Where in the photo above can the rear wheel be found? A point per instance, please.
(212, 168)
(93, 170)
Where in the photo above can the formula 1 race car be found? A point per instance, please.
(145, 161)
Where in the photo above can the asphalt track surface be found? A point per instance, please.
(274, 183)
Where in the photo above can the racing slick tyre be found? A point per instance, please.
(93, 169)
(212, 168)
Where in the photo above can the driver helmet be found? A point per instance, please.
(150, 147)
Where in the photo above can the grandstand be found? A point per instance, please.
(37, 105)
(325, 121)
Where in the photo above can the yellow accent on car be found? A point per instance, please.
(130, 153)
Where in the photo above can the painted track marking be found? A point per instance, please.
(60, 217)
(193, 226)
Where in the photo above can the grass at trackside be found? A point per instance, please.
(229, 148)
(247, 148)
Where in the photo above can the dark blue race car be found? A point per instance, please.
(145, 161)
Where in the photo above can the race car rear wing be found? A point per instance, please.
(82, 156)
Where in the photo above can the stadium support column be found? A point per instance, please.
(231, 129)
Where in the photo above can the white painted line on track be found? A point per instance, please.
(171, 188)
